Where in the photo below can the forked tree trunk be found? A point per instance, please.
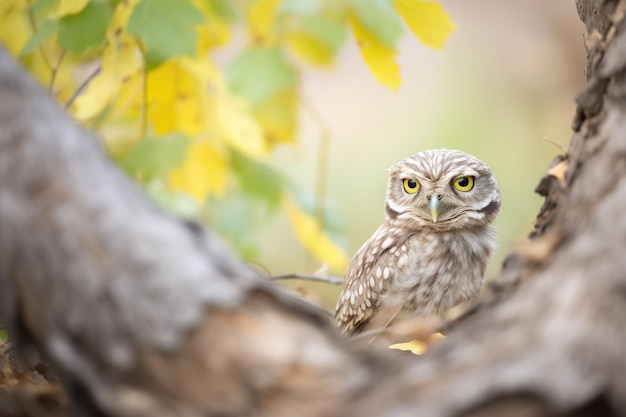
(144, 315)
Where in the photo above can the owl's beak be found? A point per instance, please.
(435, 206)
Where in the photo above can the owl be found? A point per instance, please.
(432, 251)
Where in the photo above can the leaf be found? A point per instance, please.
(14, 27)
(257, 180)
(69, 7)
(177, 203)
(44, 31)
(202, 173)
(305, 7)
(224, 9)
(233, 217)
(259, 72)
(414, 346)
(427, 20)
(313, 237)
(178, 101)
(379, 19)
(278, 117)
(237, 126)
(155, 156)
(378, 56)
(176, 91)
(317, 38)
(166, 28)
(41, 9)
(85, 30)
(215, 30)
(260, 17)
(120, 66)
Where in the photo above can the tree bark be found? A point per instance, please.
(141, 314)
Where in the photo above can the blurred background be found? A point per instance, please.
(503, 90)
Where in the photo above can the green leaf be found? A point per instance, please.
(258, 180)
(302, 7)
(328, 31)
(259, 72)
(174, 202)
(166, 28)
(224, 9)
(155, 156)
(40, 9)
(44, 31)
(334, 223)
(234, 217)
(380, 18)
(85, 30)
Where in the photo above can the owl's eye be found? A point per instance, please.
(410, 185)
(464, 184)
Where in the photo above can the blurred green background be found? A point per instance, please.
(502, 89)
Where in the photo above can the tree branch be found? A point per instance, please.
(328, 280)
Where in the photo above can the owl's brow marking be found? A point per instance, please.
(491, 208)
(391, 212)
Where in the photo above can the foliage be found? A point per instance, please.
(193, 134)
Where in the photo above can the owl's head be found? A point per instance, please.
(442, 189)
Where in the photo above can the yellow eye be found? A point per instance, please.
(464, 184)
(410, 185)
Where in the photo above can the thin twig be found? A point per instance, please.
(144, 104)
(556, 144)
(82, 87)
(33, 24)
(55, 70)
(328, 280)
(322, 160)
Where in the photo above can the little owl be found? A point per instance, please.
(431, 252)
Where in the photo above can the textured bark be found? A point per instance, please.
(141, 314)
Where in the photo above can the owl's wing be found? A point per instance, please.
(366, 281)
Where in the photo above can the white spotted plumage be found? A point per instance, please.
(413, 265)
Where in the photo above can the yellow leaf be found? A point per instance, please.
(414, 346)
(238, 127)
(203, 172)
(214, 32)
(69, 7)
(189, 95)
(278, 117)
(97, 95)
(260, 18)
(229, 117)
(427, 20)
(65, 76)
(418, 347)
(14, 27)
(379, 57)
(176, 90)
(313, 237)
(120, 63)
(309, 48)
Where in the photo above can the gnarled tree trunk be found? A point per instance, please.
(144, 315)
